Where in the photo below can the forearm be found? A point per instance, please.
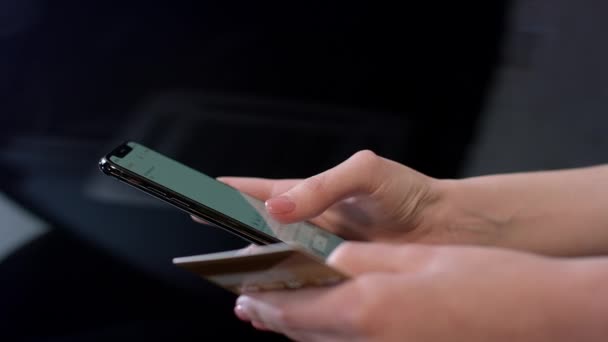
(554, 212)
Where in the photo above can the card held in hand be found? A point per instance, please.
(277, 266)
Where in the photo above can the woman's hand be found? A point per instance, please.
(423, 293)
(368, 198)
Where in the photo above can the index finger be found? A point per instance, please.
(260, 188)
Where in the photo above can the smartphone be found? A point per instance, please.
(262, 268)
(209, 199)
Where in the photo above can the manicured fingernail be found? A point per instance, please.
(239, 311)
(244, 306)
(280, 205)
(259, 325)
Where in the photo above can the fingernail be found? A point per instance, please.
(239, 311)
(280, 205)
(243, 308)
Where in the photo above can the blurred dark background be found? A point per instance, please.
(273, 89)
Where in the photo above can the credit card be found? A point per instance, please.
(277, 266)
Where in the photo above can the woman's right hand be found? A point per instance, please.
(367, 198)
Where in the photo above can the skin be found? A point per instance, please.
(421, 293)
(406, 286)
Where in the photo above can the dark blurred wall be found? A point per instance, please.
(69, 66)
(549, 109)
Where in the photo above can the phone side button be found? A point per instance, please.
(157, 192)
(177, 201)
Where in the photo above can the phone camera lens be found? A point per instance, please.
(122, 151)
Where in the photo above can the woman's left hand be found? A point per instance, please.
(423, 293)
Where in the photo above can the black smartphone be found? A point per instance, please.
(209, 199)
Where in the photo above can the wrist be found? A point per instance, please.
(465, 211)
(521, 211)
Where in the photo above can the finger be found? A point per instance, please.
(363, 173)
(260, 188)
(259, 326)
(355, 258)
(288, 311)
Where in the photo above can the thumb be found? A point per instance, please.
(355, 258)
(363, 173)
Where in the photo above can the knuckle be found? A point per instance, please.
(363, 317)
(286, 318)
(369, 166)
(342, 253)
(314, 183)
(422, 256)
(366, 157)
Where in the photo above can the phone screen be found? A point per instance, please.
(222, 198)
